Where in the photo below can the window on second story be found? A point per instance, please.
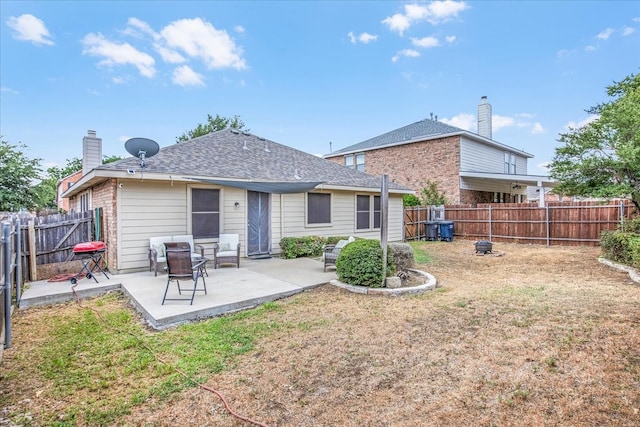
(509, 163)
(355, 161)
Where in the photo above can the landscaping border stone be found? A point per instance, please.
(430, 284)
(633, 273)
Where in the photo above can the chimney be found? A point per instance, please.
(484, 118)
(91, 152)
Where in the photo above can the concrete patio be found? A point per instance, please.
(228, 289)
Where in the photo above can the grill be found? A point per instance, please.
(91, 255)
(484, 247)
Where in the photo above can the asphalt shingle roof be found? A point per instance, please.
(230, 154)
(423, 129)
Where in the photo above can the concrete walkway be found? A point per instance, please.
(228, 289)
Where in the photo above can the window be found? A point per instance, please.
(205, 213)
(318, 208)
(83, 202)
(355, 161)
(367, 212)
(509, 163)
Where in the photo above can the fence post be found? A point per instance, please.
(546, 208)
(33, 267)
(6, 241)
(621, 216)
(490, 225)
(18, 262)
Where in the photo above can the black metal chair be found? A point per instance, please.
(181, 267)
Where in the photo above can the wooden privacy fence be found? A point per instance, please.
(558, 223)
(50, 239)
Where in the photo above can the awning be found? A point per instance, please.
(265, 186)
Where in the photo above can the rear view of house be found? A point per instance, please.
(228, 182)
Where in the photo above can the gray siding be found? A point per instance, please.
(478, 157)
(159, 208)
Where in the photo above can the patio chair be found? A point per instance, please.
(227, 250)
(331, 252)
(180, 266)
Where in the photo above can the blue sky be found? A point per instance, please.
(305, 73)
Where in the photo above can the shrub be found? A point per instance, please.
(410, 200)
(631, 225)
(634, 251)
(295, 247)
(360, 263)
(615, 246)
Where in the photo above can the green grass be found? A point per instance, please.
(420, 253)
(115, 364)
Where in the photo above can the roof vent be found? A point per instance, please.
(244, 146)
(236, 131)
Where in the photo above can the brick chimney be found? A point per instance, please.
(91, 152)
(484, 118)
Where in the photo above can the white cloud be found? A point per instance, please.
(537, 128)
(118, 54)
(362, 38)
(636, 19)
(450, 39)
(578, 125)
(9, 90)
(463, 121)
(590, 48)
(119, 80)
(93, 92)
(604, 35)
(185, 76)
(626, 31)
(425, 42)
(29, 28)
(435, 13)
(499, 122)
(409, 53)
(238, 29)
(200, 40)
(397, 22)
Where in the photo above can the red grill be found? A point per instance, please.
(91, 255)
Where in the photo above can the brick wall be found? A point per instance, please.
(104, 196)
(413, 164)
(63, 185)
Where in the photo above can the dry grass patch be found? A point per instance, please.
(539, 336)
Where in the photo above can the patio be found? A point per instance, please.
(228, 289)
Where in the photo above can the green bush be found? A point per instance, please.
(312, 246)
(295, 247)
(410, 200)
(360, 263)
(634, 251)
(615, 246)
(632, 225)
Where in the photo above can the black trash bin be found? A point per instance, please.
(431, 230)
(446, 230)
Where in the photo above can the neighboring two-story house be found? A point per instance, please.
(468, 167)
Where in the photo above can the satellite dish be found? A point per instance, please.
(142, 148)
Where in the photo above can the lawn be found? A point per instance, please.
(538, 336)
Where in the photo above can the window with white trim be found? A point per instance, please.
(367, 212)
(318, 208)
(355, 161)
(205, 213)
(84, 201)
(509, 162)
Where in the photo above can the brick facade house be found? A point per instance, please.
(467, 167)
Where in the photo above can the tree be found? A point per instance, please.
(46, 189)
(431, 195)
(213, 124)
(17, 175)
(602, 158)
